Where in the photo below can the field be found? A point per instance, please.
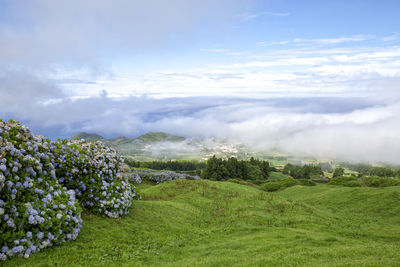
(204, 223)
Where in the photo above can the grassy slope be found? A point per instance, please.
(277, 176)
(160, 137)
(203, 223)
(87, 136)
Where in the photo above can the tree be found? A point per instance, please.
(254, 172)
(233, 168)
(325, 166)
(216, 169)
(265, 169)
(397, 172)
(221, 169)
(338, 172)
(287, 168)
(304, 172)
(211, 168)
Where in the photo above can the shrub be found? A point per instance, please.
(371, 181)
(159, 177)
(282, 184)
(321, 180)
(258, 182)
(271, 186)
(338, 172)
(353, 184)
(236, 181)
(287, 182)
(35, 210)
(307, 182)
(92, 170)
(136, 179)
(375, 181)
(349, 181)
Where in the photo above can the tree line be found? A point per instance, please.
(369, 170)
(255, 169)
(172, 165)
(223, 169)
(303, 172)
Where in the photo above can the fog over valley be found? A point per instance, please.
(98, 68)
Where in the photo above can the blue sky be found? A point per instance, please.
(273, 23)
(224, 51)
(307, 77)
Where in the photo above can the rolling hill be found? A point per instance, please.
(164, 146)
(205, 223)
(153, 137)
(88, 136)
(150, 137)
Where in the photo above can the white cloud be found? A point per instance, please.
(332, 70)
(42, 32)
(334, 41)
(250, 16)
(328, 127)
(52, 75)
(389, 38)
(215, 50)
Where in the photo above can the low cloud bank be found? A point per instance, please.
(51, 50)
(356, 129)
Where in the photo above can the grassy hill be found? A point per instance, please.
(149, 137)
(277, 176)
(88, 136)
(204, 223)
(164, 146)
(145, 147)
(160, 137)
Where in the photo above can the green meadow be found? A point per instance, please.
(205, 223)
(276, 176)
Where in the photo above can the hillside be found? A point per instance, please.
(88, 136)
(149, 137)
(152, 137)
(204, 223)
(164, 146)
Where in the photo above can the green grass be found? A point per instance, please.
(204, 223)
(277, 162)
(277, 176)
(160, 137)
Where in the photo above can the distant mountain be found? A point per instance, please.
(88, 136)
(150, 137)
(164, 146)
(153, 137)
(152, 145)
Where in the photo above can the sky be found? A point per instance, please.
(306, 77)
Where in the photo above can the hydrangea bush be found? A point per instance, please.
(159, 176)
(93, 171)
(35, 210)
